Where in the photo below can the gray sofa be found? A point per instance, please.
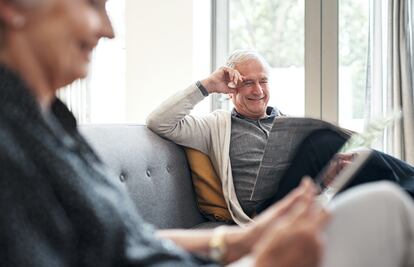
(154, 171)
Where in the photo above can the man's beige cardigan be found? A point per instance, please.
(209, 134)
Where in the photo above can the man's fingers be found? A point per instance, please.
(344, 163)
(224, 80)
(233, 77)
(231, 85)
(231, 74)
(238, 78)
(346, 156)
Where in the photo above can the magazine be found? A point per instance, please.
(286, 135)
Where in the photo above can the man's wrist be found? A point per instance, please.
(201, 87)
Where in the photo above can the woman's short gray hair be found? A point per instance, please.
(239, 56)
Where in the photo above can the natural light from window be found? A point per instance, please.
(275, 28)
(353, 52)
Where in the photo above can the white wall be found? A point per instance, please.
(159, 53)
(160, 47)
(103, 100)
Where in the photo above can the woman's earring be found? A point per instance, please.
(18, 21)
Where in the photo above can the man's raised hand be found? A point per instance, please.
(224, 80)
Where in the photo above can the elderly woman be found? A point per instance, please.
(60, 207)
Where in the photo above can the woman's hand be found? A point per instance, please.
(294, 239)
(278, 219)
(305, 192)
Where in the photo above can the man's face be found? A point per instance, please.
(252, 95)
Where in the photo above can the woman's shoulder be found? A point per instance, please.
(11, 145)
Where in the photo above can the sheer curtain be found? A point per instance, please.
(77, 97)
(390, 73)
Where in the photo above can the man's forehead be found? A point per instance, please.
(252, 69)
(255, 76)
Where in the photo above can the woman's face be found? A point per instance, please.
(61, 35)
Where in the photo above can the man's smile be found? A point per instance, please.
(255, 99)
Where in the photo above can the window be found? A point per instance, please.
(275, 28)
(317, 50)
(353, 53)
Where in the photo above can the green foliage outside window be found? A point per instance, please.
(276, 29)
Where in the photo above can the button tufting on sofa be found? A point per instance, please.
(167, 199)
(122, 177)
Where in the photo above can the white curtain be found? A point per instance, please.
(96, 98)
(77, 98)
(390, 73)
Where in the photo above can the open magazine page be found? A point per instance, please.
(351, 157)
(284, 138)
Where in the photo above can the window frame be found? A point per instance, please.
(321, 55)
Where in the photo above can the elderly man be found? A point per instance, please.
(235, 141)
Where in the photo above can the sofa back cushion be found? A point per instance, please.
(207, 186)
(154, 171)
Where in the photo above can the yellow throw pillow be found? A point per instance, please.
(207, 186)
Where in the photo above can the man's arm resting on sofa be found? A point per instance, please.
(171, 119)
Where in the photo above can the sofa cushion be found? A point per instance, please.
(153, 170)
(207, 186)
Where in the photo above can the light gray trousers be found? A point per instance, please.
(372, 225)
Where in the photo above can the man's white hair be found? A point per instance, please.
(240, 56)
